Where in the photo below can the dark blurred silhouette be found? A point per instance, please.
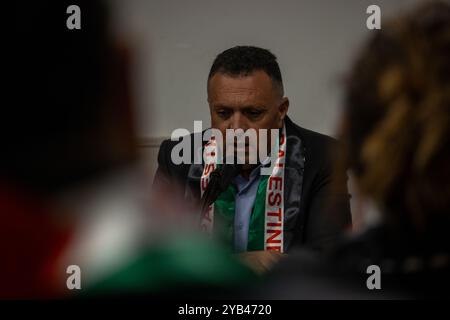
(72, 190)
(396, 133)
(66, 121)
(69, 108)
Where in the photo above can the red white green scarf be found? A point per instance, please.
(267, 218)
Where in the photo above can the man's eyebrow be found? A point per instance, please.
(254, 107)
(221, 106)
(247, 107)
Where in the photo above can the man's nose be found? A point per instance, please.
(238, 121)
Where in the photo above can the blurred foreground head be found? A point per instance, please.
(63, 198)
(68, 116)
(396, 127)
(66, 120)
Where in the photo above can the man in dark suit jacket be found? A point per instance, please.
(245, 91)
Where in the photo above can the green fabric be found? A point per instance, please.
(183, 261)
(224, 210)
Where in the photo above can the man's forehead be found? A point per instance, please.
(238, 101)
(256, 85)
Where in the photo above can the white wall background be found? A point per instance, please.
(176, 42)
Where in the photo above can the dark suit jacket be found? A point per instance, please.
(315, 212)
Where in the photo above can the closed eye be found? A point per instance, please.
(223, 113)
(254, 113)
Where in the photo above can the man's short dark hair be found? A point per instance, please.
(243, 60)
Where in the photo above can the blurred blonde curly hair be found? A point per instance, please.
(396, 124)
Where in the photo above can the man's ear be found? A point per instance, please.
(283, 109)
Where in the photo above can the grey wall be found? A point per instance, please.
(175, 43)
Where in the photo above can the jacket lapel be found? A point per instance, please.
(293, 182)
